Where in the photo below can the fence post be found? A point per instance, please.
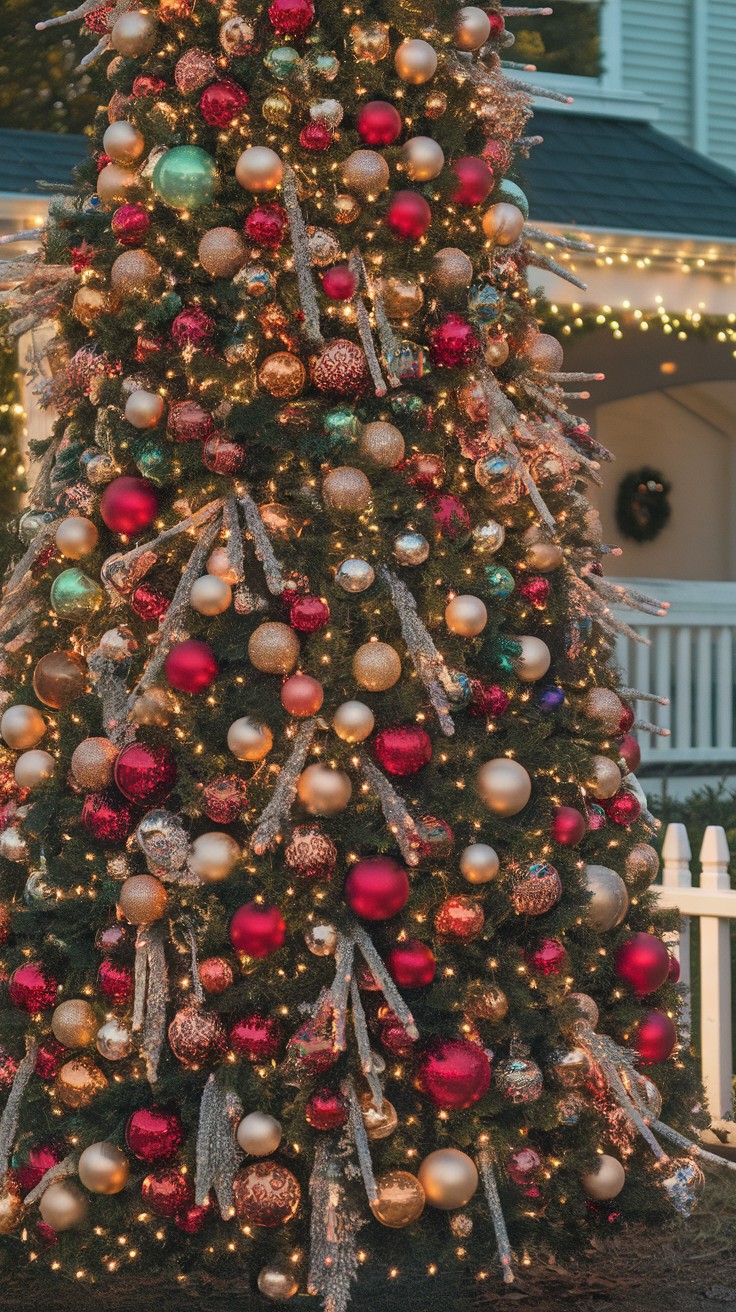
(676, 874)
(715, 965)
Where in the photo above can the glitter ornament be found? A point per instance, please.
(49, 1059)
(282, 375)
(256, 1037)
(400, 1199)
(643, 963)
(259, 1134)
(222, 103)
(266, 226)
(459, 919)
(192, 328)
(114, 1042)
(606, 1180)
(376, 666)
(107, 816)
(145, 774)
(623, 809)
(449, 1178)
(415, 61)
(547, 958)
(376, 888)
(188, 422)
(266, 1194)
(154, 1134)
(325, 1110)
(452, 270)
(166, 1192)
(365, 174)
(381, 443)
(411, 964)
(130, 223)
(197, 1036)
(378, 123)
(453, 1073)
(536, 891)
(523, 1166)
(642, 865)
(536, 590)
(379, 1124)
(273, 648)
(79, 1081)
(32, 988)
(142, 899)
(316, 137)
(74, 1023)
(129, 505)
(339, 368)
(301, 695)
(257, 930)
(184, 177)
(134, 273)
(568, 827)
(408, 215)
(221, 253)
(603, 706)
(291, 17)
(403, 749)
(310, 854)
(609, 899)
(353, 722)
(346, 490)
(504, 785)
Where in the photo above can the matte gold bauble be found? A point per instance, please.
(273, 648)
(76, 537)
(472, 28)
(353, 722)
(415, 62)
(213, 856)
(221, 252)
(282, 375)
(142, 899)
(400, 1199)
(248, 739)
(486, 1002)
(365, 173)
(63, 1206)
(504, 786)
(642, 865)
(59, 678)
(382, 443)
(74, 1023)
(606, 1181)
(449, 1178)
(534, 661)
(370, 41)
(78, 1082)
(93, 763)
(544, 556)
(345, 208)
(609, 900)
(88, 303)
(378, 1124)
(604, 778)
(259, 169)
(33, 768)
(466, 616)
(277, 109)
(376, 666)
(424, 158)
(402, 297)
(115, 184)
(210, 595)
(479, 863)
(144, 409)
(11, 1207)
(259, 1134)
(103, 1168)
(123, 143)
(452, 271)
(605, 707)
(278, 1282)
(220, 565)
(324, 791)
(134, 33)
(22, 727)
(346, 490)
(503, 224)
(134, 273)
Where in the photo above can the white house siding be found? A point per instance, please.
(721, 80)
(656, 41)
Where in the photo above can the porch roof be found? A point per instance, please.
(28, 158)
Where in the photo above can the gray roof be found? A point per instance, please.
(28, 158)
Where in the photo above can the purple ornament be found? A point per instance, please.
(550, 699)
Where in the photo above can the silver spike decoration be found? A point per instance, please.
(400, 823)
(262, 546)
(360, 1139)
(122, 573)
(334, 1225)
(505, 411)
(151, 995)
(365, 1053)
(302, 257)
(428, 663)
(362, 319)
(217, 1152)
(11, 1111)
(281, 801)
(490, 1188)
(390, 992)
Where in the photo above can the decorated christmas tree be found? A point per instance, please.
(326, 917)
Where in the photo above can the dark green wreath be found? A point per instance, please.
(642, 504)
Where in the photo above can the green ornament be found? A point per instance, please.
(341, 424)
(282, 62)
(513, 195)
(406, 404)
(499, 582)
(75, 596)
(153, 460)
(184, 177)
(505, 653)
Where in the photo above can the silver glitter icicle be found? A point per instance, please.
(428, 663)
(360, 1139)
(282, 798)
(262, 546)
(245, 602)
(490, 1188)
(400, 823)
(217, 1154)
(334, 1225)
(365, 332)
(367, 1063)
(302, 257)
(151, 995)
(11, 1111)
(382, 977)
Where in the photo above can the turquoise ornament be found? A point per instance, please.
(326, 64)
(484, 303)
(75, 596)
(499, 582)
(509, 192)
(341, 424)
(460, 691)
(185, 177)
(153, 460)
(282, 62)
(406, 404)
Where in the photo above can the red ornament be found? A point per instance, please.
(192, 327)
(643, 963)
(116, 982)
(623, 809)
(338, 283)
(32, 988)
(50, 1059)
(222, 455)
(98, 20)
(569, 826)
(309, 613)
(524, 1165)
(149, 602)
(188, 421)
(301, 695)
(498, 26)
(498, 155)
(102, 161)
(310, 854)
(46, 1234)
(225, 798)
(340, 368)
(256, 1037)
(325, 1110)
(315, 136)
(673, 974)
(459, 919)
(129, 505)
(378, 123)
(631, 752)
(216, 975)
(487, 699)
(547, 958)
(130, 223)
(376, 888)
(266, 225)
(112, 939)
(257, 930)
(403, 749)
(451, 519)
(536, 590)
(408, 215)
(474, 181)
(426, 472)
(147, 84)
(166, 1191)
(453, 344)
(656, 1037)
(411, 964)
(82, 256)
(393, 1037)
(154, 1135)
(37, 1161)
(222, 102)
(191, 666)
(453, 1073)
(627, 720)
(291, 17)
(145, 773)
(8, 1070)
(192, 1218)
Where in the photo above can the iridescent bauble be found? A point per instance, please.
(536, 890)
(255, 1037)
(449, 1178)
(453, 1073)
(154, 1134)
(257, 930)
(197, 1036)
(310, 853)
(609, 899)
(185, 177)
(266, 1194)
(114, 1042)
(75, 596)
(504, 785)
(400, 1199)
(403, 749)
(606, 1180)
(642, 961)
(684, 1186)
(376, 888)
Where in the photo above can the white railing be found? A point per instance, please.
(714, 903)
(691, 660)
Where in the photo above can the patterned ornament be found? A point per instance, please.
(310, 853)
(266, 1194)
(197, 1036)
(537, 890)
(339, 368)
(224, 798)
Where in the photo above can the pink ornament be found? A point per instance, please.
(453, 344)
(408, 215)
(568, 827)
(192, 327)
(309, 613)
(536, 590)
(498, 26)
(257, 930)
(325, 1110)
(130, 223)
(32, 987)
(256, 1037)
(451, 519)
(596, 817)
(487, 699)
(673, 974)
(623, 809)
(547, 958)
(631, 752)
(474, 181)
(459, 919)
(145, 773)
(149, 602)
(524, 1165)
(50, 1059)
(37, 1161)
(411, 964)
(222, 455)
(108, 817)
(393, 1037)
(129, 505)
(291, 17)
(315, 136)
(166, 1191)
(191, 666)
(153, 1134)
(192, 1218)
(115, 981)
(656, 1037)
(338, 283)
(378, 123)
(426, 472)
(643, 963)
(453, 1073)
(403, 749)
(222, 103)
(112, 939)
(266, 225)
(376, 888)
(301, 695)
(188, 421)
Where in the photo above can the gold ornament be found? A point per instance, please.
(345, 208)
(34, 768)
(321, 940)
(221, 252)
(479, 863)
(504, 786)
(415, 62)
(213, 856)
(74, 1023)
(259, 1134)
(570, 1068)
(11, 1206)
(609, 900)
(603, 705)
(486, 1002)
(259, 169)
(496, 351)
(472, 28)
(22, 727)
(219, 564)
(378, 1124)
(123, 143)
(544, 556)
(134, 273)
(353, 722)
(144, 409)
(400, 1199)
(324, 248)
(402, 297)
(115, 184)
(273, 648)
(142, 899)
(534, 661)
(449, 1178)
(545, 352)
(282, 375)
(78, 1082)
(324, 791)
(88, 303)
(365, 173)
(278, 1282)
(134, 33)
(210, 595)
(277, 109)
(466, 616)
(424, 158)
(266, 1194)
(382, 443)
(503, 224)
(103, 1168)
(76, 537)
(248, 740)
(435, 104)
(346, 490)
(452, 270)
(154, 706)
(63, 1205)
(607, 1179)
(376, 666)
(642, 865)
(604, 778)
(370, 41)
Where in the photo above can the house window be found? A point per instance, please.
(567, 42)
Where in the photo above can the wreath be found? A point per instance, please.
(642, 504)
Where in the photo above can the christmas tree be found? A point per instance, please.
(325, 871)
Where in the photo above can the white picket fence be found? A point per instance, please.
(714, 905)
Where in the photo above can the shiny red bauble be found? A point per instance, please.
(129, 505)
(325, 1110)
(108, 817)
(192, 1218)
(569, 826)
(656, 1037)
(301, 695)
(188, 421)
(547, 958)
(630, 750)
(225, 798)
(216, 975)
(266, 225)
(149, 602)
(291, 17)
(153, 1134)
(191, 666)
(192, 327)
(50, 1059)
(453, 1073)
(257, 930)
(256, 1037)
(643, 963)
(411, 964)
(309, 613)
(130, 223)
(459, 919)
(453, 343)
(147, 84)
(623, 809)
(451, 519)
(145, 773)
(393, 1037)
(222, 102)
(427, 472)
(376, 888)
(498, 26)
(408, 215)
(627, 720)
(166, 1192)
(115, 981)
(315, 136)
(536, 590)
(474, 180)
(673, 974)
(37, 1161)
(403, 749)
(378, 123)
(338, 283)
(487, 699)
(32, 987)
(223, 455)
